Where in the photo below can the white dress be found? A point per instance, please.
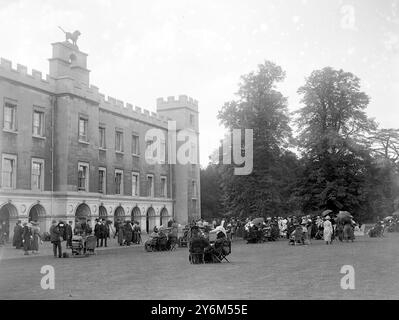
(328, 230)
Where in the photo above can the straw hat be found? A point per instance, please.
(327, 218)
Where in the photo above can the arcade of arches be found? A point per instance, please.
(7, 212)
(150, 220)
(119, 213)
(37, 214)
(82, 213)
(147, 217)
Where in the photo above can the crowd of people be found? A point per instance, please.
(303, 228)
(296, 229)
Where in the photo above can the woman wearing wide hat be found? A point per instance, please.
(27, 238)
(327, 230)
(35, 237)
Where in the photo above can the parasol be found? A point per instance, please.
(219, 229)
(395, 213)
(258, 220)
(326, 212)
(344, 216)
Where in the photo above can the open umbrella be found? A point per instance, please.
(344, 216)
(219, 229)
(258, 220)
(395, 213)
(326, 212)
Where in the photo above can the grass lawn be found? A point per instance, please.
(271, 270)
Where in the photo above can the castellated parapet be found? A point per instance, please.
(67, 85)
(181, 101)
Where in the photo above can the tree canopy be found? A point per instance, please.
(340, 159)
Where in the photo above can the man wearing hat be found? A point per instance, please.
(69, 234)
(17, 237)
(26, 237)
(55, 238)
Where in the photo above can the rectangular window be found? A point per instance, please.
(102, 180)
(118, 181)
(83, 176)
(83, 125)
(8, 171)
(135, 145)
(194, 205)
(150, 186)
(38, 123)
(135, 184)
(102, 138)
(119, 141)
(10, 114)
(192, 119)
(164, 190)
(37, 174)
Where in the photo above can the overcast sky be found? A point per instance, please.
(142, 50)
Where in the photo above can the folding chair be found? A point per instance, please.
(196, 257)
(223, 251)
(173, 244)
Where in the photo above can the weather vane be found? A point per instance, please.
(73, 36)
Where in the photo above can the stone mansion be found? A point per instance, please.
(69, 153)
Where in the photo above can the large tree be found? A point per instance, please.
(261, 107)
(211, 192)
(331, 126)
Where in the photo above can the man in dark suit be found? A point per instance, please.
(98, 233)
(69, 233)
(55, 238)
(17, 238)
(104, 231)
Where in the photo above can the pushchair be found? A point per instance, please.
(376, 231)
(297, 237)
(159, 244)
(219, 251)
(83, 246)
(183, 240)
(255, 235)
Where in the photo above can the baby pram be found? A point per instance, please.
(83, 245)
(297, 237)
(183, 240)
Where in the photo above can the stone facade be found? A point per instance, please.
(54, 124)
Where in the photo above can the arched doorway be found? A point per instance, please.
(102, 212)
(150, 220)
(136, 215)
(119, 214)
(82, 213)
(164, 217)
(8, 210)
(37, 214)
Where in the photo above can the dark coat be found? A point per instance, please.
(27, 236)
(97, 230)
(104, 231)
(128, 232)
(68, 231)
(17, 238)
(120, 234)
(55, 233)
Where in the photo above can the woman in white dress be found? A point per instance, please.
(327, 230)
